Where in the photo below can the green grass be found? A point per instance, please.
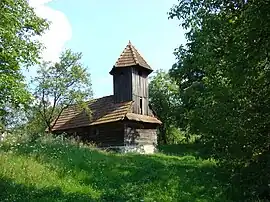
(53, 171)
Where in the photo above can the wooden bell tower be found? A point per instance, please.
(130, 80)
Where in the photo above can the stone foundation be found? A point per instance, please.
(141, 149)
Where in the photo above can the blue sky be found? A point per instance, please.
(101, 29)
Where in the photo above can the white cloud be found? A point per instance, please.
(60, 29)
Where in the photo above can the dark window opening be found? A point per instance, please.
(121, 73)
(141, 106)
(140, 73)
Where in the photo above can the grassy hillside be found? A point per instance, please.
(48, 170)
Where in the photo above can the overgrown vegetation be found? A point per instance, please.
(223, 78)
(19, 26)
(47, 169)
(57, 84)
(163, 98)
(218, 91)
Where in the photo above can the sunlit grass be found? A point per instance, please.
(55, 171)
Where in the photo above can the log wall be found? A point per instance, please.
(140, 134)
(104, 135)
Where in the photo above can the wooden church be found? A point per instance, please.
(123, 119)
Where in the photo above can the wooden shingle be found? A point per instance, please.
(142, 118)
(131, 57)
(103, 110)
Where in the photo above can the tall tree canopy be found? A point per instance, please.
(223, 74)
(163, 94)
(19, 25)
(61, 84)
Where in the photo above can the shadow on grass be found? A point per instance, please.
(194, 149)
(247, 182)
(132, 177)
(11, 191)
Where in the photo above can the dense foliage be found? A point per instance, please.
(19, 28)
(223, 74)
(60, 85)
(163, 98)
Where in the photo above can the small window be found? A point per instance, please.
(122, 73)
(140, 73)
(141, 105)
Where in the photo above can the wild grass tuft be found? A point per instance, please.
(49, 169)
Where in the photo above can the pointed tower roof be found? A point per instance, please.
(131, 57)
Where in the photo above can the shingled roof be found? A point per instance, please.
(103, 110)
(130, 57)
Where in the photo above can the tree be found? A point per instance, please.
(60, 85)
(223, 75)
(35, 126)
(19, 25)
(163, 100)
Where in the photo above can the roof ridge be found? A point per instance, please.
(130, 56)
(133, 53)
(123, 52)
(99, 98)
(102, 97)
(140, 56)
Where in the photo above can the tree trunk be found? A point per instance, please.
(163, 138)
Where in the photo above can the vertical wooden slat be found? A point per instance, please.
(132, 86)
(122, 84)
